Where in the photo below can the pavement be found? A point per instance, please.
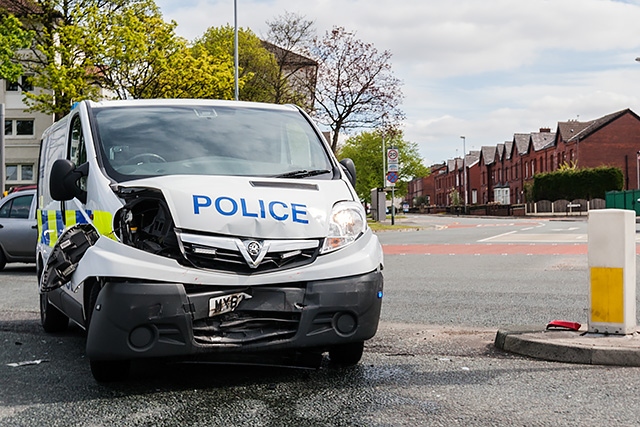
(571, 346)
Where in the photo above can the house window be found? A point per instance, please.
(19, 127)
(17, 174)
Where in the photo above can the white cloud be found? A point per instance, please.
(480, 68)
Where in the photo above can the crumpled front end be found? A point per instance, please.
(182, 320)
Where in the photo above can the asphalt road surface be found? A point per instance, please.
(448, 288)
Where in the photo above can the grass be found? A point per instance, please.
(378, 226)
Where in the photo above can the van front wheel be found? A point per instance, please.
(52, 319)
(346, 354)
(105, 371)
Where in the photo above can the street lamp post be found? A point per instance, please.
(235, 50)
(464, 171)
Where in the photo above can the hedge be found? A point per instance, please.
(572, 184)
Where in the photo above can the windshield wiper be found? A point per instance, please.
(303, 173)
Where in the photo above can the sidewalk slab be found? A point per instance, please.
(570, 346)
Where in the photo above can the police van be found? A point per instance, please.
(193, 228)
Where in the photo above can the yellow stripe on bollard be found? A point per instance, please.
(607, 295)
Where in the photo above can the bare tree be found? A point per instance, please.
(356, 87)
(288, 38)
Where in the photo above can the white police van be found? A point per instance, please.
(178, 228)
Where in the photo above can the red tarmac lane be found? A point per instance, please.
(489, 249)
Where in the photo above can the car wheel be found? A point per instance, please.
(346, 354)
(3, 260)
(105, 371)
(52, 319)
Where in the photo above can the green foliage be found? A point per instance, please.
(121, 49)
(571, 184)
(366, 152)
(454, 197)
(258, 68)
(13, 37)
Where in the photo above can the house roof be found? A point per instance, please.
(575, 130)
(521, 140)
(20, 7)
(542, 140)
(288, 57)
(508, 149)
(472, 158)
(488, 154)
(500, 150)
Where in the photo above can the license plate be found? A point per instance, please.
(226, 303)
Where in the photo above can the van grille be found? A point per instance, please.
(241, 328)
(232, 255)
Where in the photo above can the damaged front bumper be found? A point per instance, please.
(149, 319)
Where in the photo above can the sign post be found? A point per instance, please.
(392, 177)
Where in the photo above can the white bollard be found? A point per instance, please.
(612, 271)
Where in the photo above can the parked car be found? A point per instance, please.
(18, 228)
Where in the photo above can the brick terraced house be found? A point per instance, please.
(498, 174)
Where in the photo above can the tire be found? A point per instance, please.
(105, 371)
(52, 319)
(3, 260)
(346, 354)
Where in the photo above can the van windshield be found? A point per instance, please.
(144, 141)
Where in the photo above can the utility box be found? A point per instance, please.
(378, 204)
(612, 271)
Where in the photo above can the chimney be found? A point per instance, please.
(545, 130)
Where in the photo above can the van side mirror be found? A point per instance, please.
(350, 168)
(63, 180)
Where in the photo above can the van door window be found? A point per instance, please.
(77, 148)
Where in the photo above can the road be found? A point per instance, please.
(432, 362)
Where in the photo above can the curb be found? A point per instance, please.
(570, 346)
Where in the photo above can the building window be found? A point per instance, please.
(24, 84)
(17, 174)
(19, 127)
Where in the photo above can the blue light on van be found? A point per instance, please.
(379, 294)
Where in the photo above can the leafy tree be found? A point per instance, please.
(366, 152)
(356, 87)
(13, 37)
(291, 35)
(60, 52)
(256, 66)
(120, 49)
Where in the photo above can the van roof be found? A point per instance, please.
(187, 102)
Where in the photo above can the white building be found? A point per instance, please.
(22, 130)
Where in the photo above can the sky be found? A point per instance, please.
(482, 69)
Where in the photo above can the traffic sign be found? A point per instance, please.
(392, 167)
(392, 177)
(392, 155)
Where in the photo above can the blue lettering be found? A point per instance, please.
(228, 206)
(243, 203)
(234, 206)
(298, 210)
(200, 202)
(282, 217)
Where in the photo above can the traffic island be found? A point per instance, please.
(571, 346)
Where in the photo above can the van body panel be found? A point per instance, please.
(256, 207)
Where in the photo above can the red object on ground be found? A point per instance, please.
(563, 324)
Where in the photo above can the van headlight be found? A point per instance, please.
(346, 224)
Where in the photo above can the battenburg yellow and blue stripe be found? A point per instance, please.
(51, 225)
